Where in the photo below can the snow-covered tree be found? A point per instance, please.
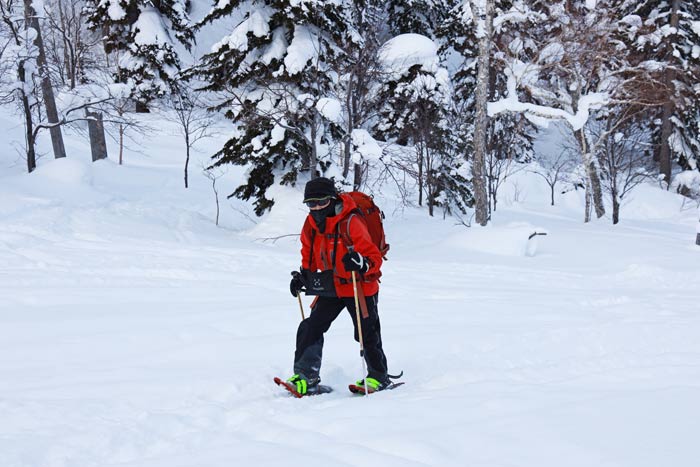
(508, 137)
(140, 35)
(624, 154)
(417, 16)
(24, 75)
(665, 34)
(416, 100)
(70, 47)
(359, 72)
(19, 72)
(275, 76)
(580, 66)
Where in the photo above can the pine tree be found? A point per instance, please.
(141, 34)
(666, 35)
(274, 74)
(417, 16)
(416, 98)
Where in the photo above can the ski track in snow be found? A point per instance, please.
(135, 333)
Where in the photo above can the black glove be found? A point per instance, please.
(297, 284)
(353, 261)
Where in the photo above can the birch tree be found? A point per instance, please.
(580, 67)
(482, 11)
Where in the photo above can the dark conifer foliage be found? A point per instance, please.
(665, 35)
(140, 36)
(275, 75)
(417, 16)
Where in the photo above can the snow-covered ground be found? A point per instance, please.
(134, 332)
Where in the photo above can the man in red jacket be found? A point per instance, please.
(326, 271)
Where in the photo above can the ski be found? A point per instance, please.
(360, 390)
(320, 389)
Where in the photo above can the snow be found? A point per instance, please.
(277, 133)
(277, 48)
(688, 180)
(634, 21)
(331, 109)
(150, 28)
(552, 53)
(512, 16)
(304, 47)
(406, 50)
(522, 74)
(135, 333)
(365, 147)
(695, 25)
(514, 239)
(115, 11)
(256, 23)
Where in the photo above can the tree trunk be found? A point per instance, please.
(480, 129)
(587, 213)
(96, 130)
(429, 190)
(67, 48)
(121, 144)
(187, 157)
(216, 196)
(666, 131)
(596, 190)
(348, 130)
(313, 159)
(357, 182)
(32, 21)
(28, 123)
(552, 191)
(616, 209)
(668, 110)
(420, 174)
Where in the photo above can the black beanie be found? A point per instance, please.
(319, 188)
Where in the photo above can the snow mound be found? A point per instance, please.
(64, 171)
(648, 202)
(407, 50)
(514, 239)
(364, 146)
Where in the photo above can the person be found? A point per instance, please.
(335, 243)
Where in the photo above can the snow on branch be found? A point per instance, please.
(511, 103)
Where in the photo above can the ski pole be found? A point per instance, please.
(359, 330)
(301, 307)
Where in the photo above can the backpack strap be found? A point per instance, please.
(345, 230)
(311, 254)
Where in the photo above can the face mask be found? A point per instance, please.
(320, 215)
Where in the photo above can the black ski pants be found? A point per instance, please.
(309, 351)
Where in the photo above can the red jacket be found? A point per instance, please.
(325, 243)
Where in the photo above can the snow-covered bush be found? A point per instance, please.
(687, 183)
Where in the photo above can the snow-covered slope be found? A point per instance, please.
(134, 332)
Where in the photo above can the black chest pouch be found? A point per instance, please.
(320, 283)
